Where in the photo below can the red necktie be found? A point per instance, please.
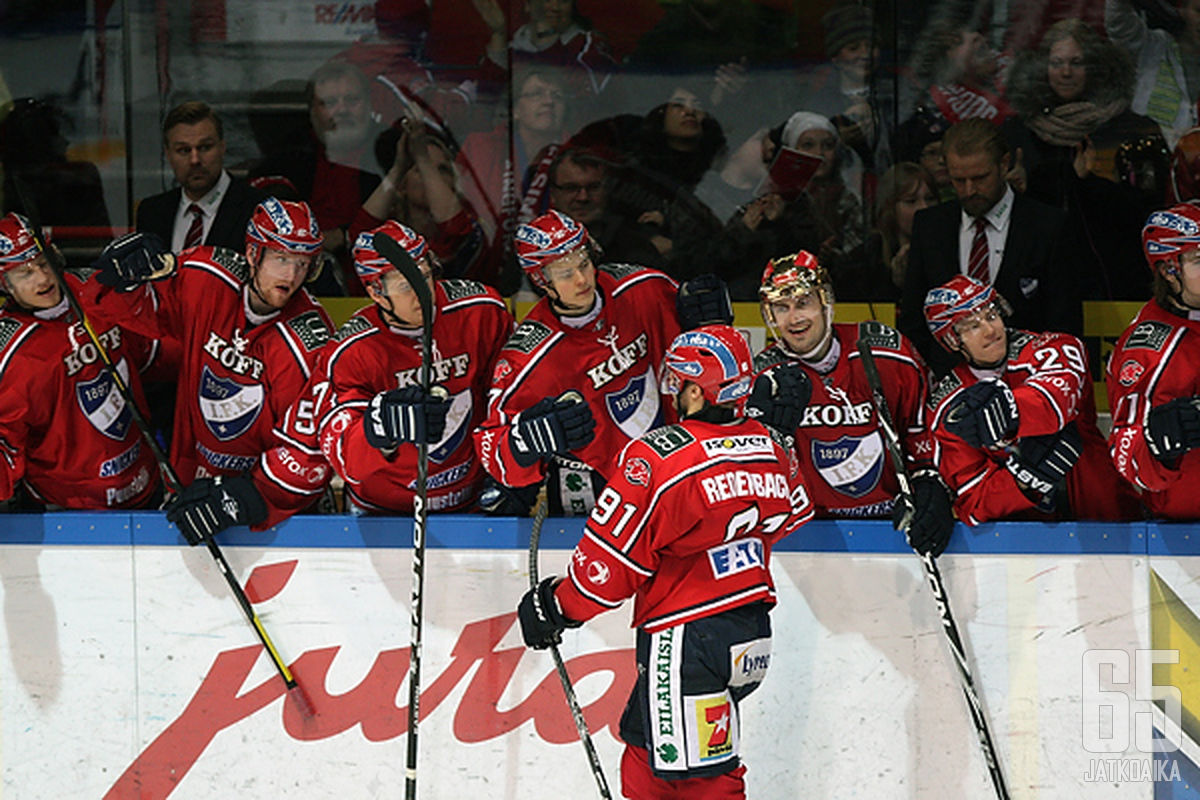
(195, 231)
(977, 264)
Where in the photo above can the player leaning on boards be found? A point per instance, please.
(247, 335)
(838, 440)
(685, 525)
(65, 429)
(1154, 373)
(363, 412)
(1014, 427)
(600, 330)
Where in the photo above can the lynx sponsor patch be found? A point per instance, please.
(748, 662)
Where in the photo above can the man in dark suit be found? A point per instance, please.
(995, 235)
(209, 206)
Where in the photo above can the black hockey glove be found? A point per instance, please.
(704, 300)
(984, 414)
(932, 519)
(133, 259)
(550, 426)
(498, 500)
(1173, 428)
(1041, 463)
(779, 398)
(542, 621)
(406, 415)
(210, 505)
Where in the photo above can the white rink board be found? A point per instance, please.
(105, 647)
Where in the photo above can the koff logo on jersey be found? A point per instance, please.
(86, 353)
(231, 355)
(623, 358)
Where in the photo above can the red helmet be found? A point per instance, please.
(17, 244)
(284, 225)
(1171, 232)
(955, 300)
(370, 264)
(714, 357)
(545, 239)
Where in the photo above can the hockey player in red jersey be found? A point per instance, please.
(65, 429)
(839, 443)
(247, 331)
(364, 410)
(685, 525)
(1014, 427)
(599, 329)
(1153, 374)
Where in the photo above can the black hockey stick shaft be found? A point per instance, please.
(535, 536)
(168, 472)
(403, 262)
(891, 440)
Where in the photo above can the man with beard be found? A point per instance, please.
(209, 206)
(994, 235)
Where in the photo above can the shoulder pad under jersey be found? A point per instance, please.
(528, 335)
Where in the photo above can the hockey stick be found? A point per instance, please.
(576, 711)
(168, 472)
(403, 262)
(891, 440)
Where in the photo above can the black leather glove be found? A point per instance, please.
(983, 414)
(1041, 462)
(498, 500)
(552, 425)
(133, 259)
(210, 505)
(406, 415)
(703, 300)
(932, 519)
(779, 397)
(542, 621)
(1173, 428)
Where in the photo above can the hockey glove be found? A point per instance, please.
(542, 620)
(779, 398)
(498, 500)
(1173, 428)
(984, 414)
(704, 300)
(552, 425)
(133, 259)
(1042, 462)
(406, 415)
(932, 520)
(210, 505)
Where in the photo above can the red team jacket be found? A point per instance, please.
(235, 380)
(686, 523)
(839, 444)
(324, 427)
(56, 400)
(1049, 378)
(613, 361)
(1157, 359)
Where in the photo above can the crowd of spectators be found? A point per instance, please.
(901, 153)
